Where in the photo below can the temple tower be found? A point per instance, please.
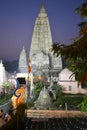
(22, 65)
(40, 49)
(41, 39)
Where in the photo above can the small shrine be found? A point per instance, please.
(44, 100)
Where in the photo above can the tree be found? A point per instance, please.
(6, 87)
(76, 54)
(82, 10)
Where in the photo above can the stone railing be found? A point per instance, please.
(54, 114)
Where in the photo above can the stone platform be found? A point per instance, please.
(54, 114)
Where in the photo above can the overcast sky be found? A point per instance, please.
(17, 18)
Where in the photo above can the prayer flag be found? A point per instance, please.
(29, 66)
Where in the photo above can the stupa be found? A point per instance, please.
(44, 100)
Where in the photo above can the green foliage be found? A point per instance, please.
(71, 100)
(61, 98)
(82, 10)
(6, 84)
(37, 88)
(6, 87)
(31, 102)
(5, 99)
(83, 105)
(58, 90)
(77, 66)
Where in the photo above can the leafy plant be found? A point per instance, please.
(58, 90)
(37, 88)
(83, 105)
(6, 86)
(5, 99)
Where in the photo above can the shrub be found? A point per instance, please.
(83, 105)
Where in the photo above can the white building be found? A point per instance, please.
(68, 82)
(3, 77)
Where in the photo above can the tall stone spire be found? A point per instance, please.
(42, 10)
(41, 39)
(40, 49)
(22, 66)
